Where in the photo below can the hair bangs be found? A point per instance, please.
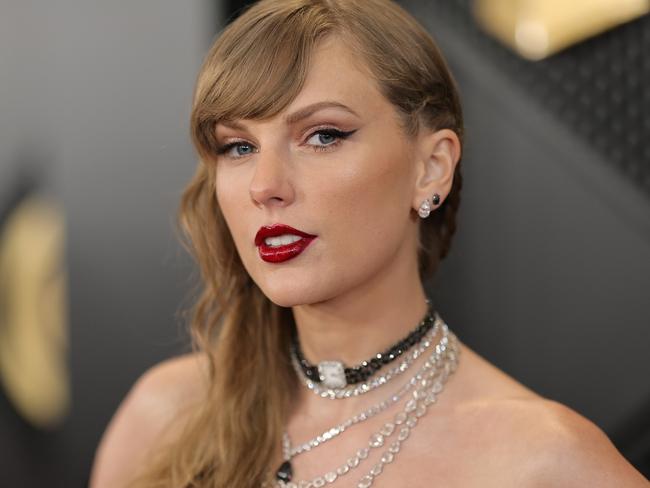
(257, 71)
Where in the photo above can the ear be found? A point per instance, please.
(437, 155)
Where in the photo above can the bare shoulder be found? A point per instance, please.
(573, 451)
(149, 414)
(536, 441)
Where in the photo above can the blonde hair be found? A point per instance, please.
(255, 68)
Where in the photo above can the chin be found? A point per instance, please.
(291, 294)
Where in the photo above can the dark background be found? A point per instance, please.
(549, 273)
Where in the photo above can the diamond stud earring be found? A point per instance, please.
(425, 209)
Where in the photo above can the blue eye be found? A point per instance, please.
(324, 137)
(242, 149)
(328, 138)
(247, 149)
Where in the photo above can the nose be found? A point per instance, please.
(271, 185)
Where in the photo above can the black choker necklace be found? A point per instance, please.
(335, 375)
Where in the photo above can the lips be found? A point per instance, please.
(284, 252)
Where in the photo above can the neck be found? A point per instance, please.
(357, 326)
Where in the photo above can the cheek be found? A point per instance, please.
(369, 204)
(229, 191)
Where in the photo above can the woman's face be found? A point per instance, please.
(341, 170)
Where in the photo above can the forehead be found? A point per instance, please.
(336, 74)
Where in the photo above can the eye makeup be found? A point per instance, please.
(338, 136)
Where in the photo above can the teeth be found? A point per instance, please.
(282, 240)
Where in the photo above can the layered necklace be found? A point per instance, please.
(332, 380)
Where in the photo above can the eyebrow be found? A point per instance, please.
(305, 112)
(300, 114)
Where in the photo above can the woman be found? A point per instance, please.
(329, 134)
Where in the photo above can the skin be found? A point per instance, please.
(356, 290)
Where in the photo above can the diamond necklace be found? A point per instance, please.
(366, 386)
(365, 415)
(430, 383)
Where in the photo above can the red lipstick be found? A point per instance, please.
(284, 252)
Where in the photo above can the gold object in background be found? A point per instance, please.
(33, 313)
(538, 28)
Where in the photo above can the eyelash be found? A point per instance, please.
(340, 136)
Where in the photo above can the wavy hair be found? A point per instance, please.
(256, 67)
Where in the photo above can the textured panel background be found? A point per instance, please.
(599, 89)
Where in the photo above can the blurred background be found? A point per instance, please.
(549, 274)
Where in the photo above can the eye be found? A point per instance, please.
(323, 139)
(241, 149)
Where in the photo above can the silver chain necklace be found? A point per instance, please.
(370, 384)
(365, 415)
(429, 382)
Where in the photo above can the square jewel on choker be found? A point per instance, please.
(332, 374)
